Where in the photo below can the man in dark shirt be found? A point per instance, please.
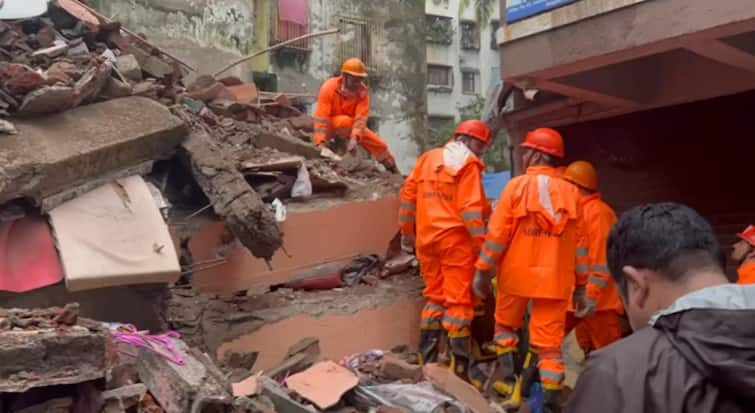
(693, 348)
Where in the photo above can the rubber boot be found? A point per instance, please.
(552, 401)
(530, 372)
(507, 381)
(429, 341)
(461, 359)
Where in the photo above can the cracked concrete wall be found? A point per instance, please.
(207, 34)
(397, 83)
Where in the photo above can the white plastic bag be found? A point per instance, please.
(303, 186)
(279, 210)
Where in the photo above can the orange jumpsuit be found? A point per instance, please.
(334, 100)
(443, 204)
(537, 232)
(604, 327)
(747, 272)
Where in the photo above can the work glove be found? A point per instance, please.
(481, 284)
(407, 243)
(353, 141)
(583, 305)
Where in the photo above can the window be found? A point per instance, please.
(494, 26)
(469, 82)
(470, 36)
(357, 38)
(439, 29)
(438, 75)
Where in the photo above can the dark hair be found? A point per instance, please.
(671, 239)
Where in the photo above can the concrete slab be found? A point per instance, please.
(311, 238)
(53, 153)
(385, 327)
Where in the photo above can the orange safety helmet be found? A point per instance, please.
(545, 140)
(748, 235)
(583, 174)
(354, 67)
(474, 128)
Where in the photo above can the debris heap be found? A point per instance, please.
(245, 147)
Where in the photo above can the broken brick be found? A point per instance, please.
(186, 387)
(303, 122)
(244, 93)
(393, 368)
(129, 67)
(25, 82)
(62, 72)
(125, 397)
(91, 84)
(446, 381)
(47, 100)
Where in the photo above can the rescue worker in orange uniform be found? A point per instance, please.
(603, 327)
(343, 106)
(535, 240)
(443, 211)
(744, 253)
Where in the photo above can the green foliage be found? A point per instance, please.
(496, 157)
(483, 10)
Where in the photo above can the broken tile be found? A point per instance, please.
(303, 122)
(446, 381)
(246, 387)
(46, 100)
(129, 67)
(281, 400)
(323, 384)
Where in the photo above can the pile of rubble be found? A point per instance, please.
(54, 361)
(245, 148)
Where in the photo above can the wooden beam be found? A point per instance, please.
(723, 53)
(583, 94)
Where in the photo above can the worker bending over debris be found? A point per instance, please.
(535, 238)
(693, 349)
(443, 212)
(341, 113)
(595, 330)
(744, 254)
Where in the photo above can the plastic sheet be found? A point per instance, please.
(303, 186)
(420, 397)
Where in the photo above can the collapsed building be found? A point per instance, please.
(201, 208)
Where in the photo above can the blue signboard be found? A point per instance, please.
(520, 9)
